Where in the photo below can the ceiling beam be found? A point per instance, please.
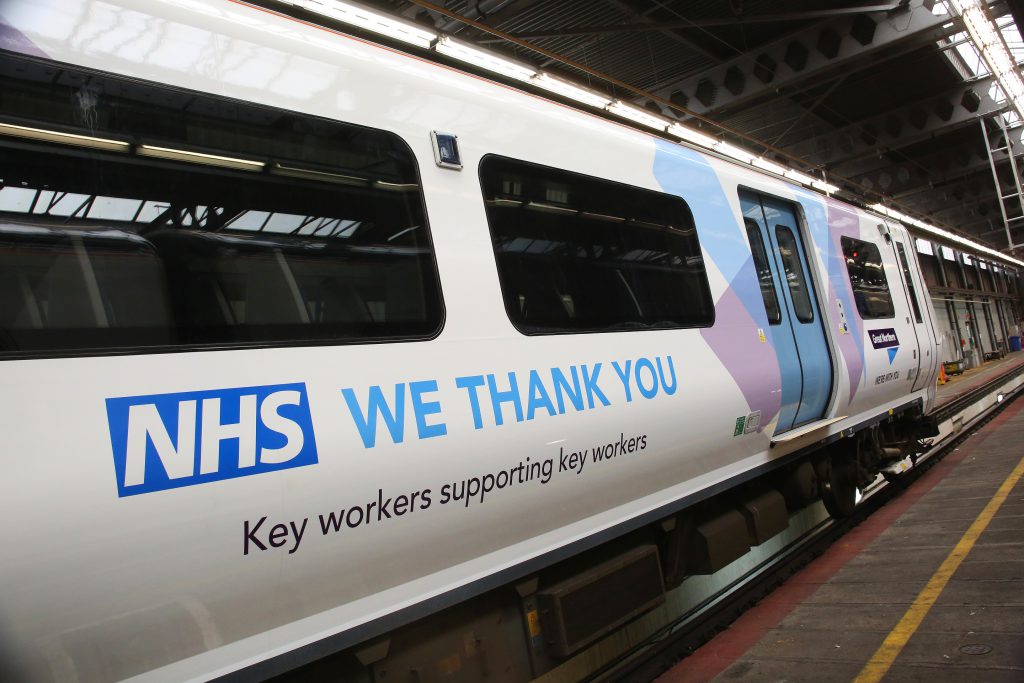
(903, 190)
(896, 178)
(711, 22)
(968, 196)
(674, 36)
(900, 127)
(799, 56)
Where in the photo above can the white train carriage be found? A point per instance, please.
(304, 339)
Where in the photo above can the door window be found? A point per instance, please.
(764, 272)
(867, 278)
(794, 274)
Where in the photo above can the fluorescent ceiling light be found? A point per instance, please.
(640, 116)
(798, 177)
(484, 60)
(310, 174)
(690, 135)
(64, 138)
(827, 188)
(550, 208)
(356, 15)
(570, 91)
(945, 234)
(199, 158)
(734, 152)
(395, 187)
(761, 162)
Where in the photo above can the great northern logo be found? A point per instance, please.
(885, 339)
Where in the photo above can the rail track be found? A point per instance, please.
(677, 640)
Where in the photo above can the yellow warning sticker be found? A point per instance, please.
(533, 623)
(449, 665)
(760, 335)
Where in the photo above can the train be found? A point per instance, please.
(308, 343)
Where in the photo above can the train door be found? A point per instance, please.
(792, 306)
(925, 351)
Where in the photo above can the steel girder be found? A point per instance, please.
(798, 57)
(841, 149)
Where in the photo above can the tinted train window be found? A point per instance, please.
(867, 277)
(794, 274)
(910, 283)
(764, 272)
(175, 218)
(578, 254)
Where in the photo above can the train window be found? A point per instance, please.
(794, 274)
(579, 254)
(135, 216)
(764, 272)
(910, 283)
(867, 277)
(100, 288)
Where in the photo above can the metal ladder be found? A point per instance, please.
(1011, 204)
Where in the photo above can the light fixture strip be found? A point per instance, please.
(734, 152)
(369, 20)
(798, 177)
(945, 234)
(64, 138)
(770, 166)
(827, 188)
(198, 158)
(644, 118)
(691, 135)
(325, 176)
(570, 91)
(483, 59)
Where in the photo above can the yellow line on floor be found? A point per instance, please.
(894, 643)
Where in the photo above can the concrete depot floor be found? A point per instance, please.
(958, 385)
(828, 620)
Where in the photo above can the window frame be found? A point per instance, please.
(797, 262)
(432, 288)
(911, 289)
(530, 331)
(853, 288)
(754, 236)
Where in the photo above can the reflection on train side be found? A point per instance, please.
(68, 288)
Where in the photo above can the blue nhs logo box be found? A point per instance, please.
(166, 441)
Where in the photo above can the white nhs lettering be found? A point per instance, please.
(271, 429)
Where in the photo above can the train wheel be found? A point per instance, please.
(838, 481)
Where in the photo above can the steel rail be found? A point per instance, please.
(675, 641)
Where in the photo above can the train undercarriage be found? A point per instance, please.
(530, 627)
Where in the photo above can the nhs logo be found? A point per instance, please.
(166, 441)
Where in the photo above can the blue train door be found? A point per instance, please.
(923, 332)
(792, 306)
